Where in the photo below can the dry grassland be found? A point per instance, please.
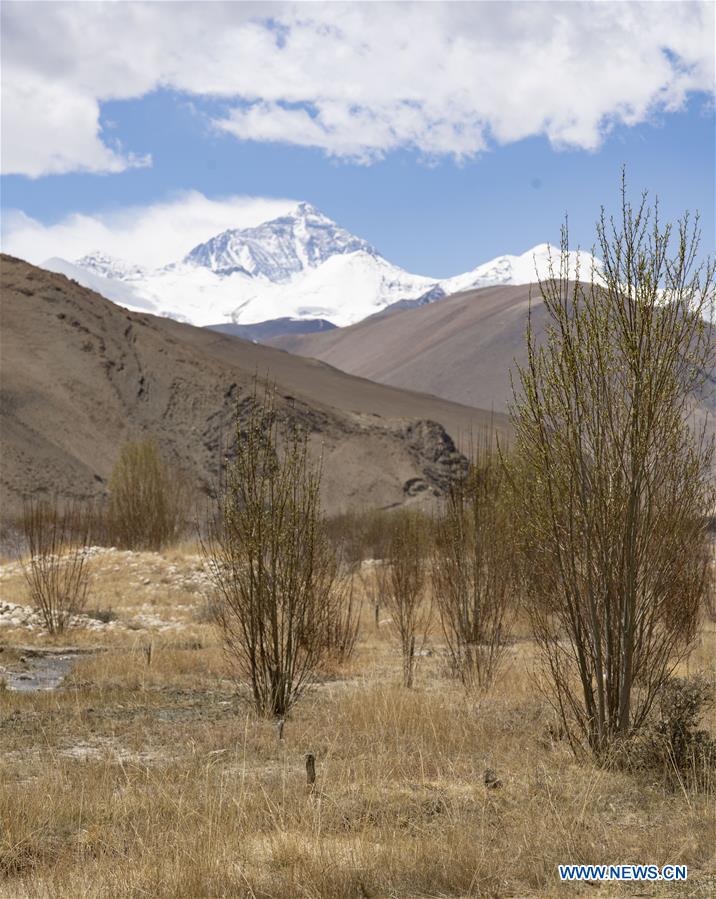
(146, 777)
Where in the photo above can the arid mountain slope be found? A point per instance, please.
(80, 375)
(460, 348)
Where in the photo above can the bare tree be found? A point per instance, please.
(473, 568)
(148, 499)
(374, 581)
(710, 592)
(373, 534)
(612, 483)
(271, 560)
(343, 618)
(405, 598)
(57, 568)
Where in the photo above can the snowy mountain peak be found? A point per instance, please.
(523, 269)
(304, 210)
(542, 249)
(107, 266)
(279, 249)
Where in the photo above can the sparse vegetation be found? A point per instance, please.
(361, 535)
(343, 618)
(474, 570)
(101, 797)
(673, 743)
(374, 583)
(406, 600)
(710, 591)
(612, 485)
(272, 565)
(56, 566)
(148, 499)
(103, 615)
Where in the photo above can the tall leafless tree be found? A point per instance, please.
(473, 568)
(271, 561)
(148, 499)
(613, 482)
(409, 606)
(344, 614)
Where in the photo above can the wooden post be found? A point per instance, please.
(311, 770)
(410, 662)
(148, 651)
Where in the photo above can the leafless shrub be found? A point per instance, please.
(103, 615)
(374, 581)
(57, 567)
(672, 742)
(710, 602)
(361, 535)
(208, 612)
(271, 563)
(612, 485)
(710, 591)
(364, 536)
(473, 568)
(406, 599)
(148, 499)
(343, 618)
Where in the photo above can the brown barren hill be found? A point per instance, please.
(80, 375)
(460, 348)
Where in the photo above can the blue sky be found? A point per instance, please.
(439, 173)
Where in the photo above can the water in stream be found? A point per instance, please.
(44, 672)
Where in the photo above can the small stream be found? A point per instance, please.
(42, 674)
(44, 669)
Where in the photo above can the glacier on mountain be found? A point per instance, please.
(300, 266)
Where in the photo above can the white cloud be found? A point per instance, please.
(354, 79)
(360, 133)
(151, 235)
(59, 131)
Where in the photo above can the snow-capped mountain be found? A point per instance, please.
(300, 266)
(107, 266)
(279, 249)
(110, 286)
(522, 269)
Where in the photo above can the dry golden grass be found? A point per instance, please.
(153, 780)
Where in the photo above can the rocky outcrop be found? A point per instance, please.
(438, 458)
